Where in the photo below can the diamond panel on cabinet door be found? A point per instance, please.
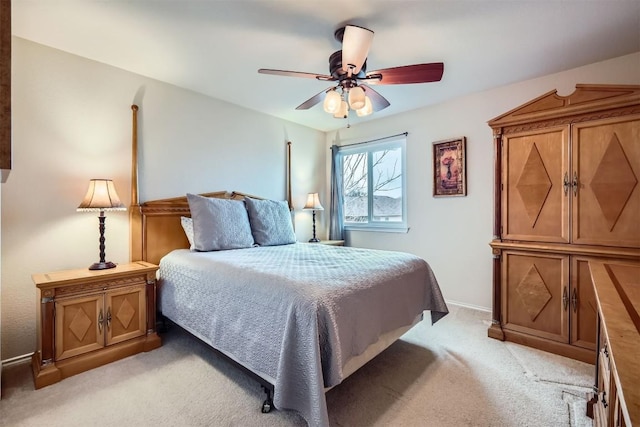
(613, 181)
(533, 292)
(534, 184)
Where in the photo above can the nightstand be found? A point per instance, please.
(332, 242)
(89, 318)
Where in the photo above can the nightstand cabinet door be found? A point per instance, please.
(78, 328)
(125, 314)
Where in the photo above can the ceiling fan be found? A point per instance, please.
(348, 67)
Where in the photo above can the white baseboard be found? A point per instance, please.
(16, 360)
(474, 307)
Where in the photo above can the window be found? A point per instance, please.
(373, 185)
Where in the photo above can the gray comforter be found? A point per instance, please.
(295, 314)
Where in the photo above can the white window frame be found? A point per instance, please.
(369, 148)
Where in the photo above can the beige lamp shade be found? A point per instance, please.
(101, 196)
(313, 203)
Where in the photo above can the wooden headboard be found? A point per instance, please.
(155, 227)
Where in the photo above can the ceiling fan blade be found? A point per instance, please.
(378, 102)
(296, 74)
(356, 42)
(418, 73)
(315, 99)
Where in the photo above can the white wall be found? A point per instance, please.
(72, 122)
(453, 233)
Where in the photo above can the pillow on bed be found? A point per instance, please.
(270, 222)
(219, 224)
(187, 226)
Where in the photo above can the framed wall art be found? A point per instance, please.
(449, 169)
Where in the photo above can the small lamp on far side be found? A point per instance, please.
(313, 204)
(101, 196)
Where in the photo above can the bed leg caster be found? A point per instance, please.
(267, 405)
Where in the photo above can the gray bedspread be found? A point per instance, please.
(295, 314)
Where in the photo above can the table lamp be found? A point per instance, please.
(313, 204)
(101, 196)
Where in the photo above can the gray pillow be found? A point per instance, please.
(270, 222)
(187, 226)
(219, 224)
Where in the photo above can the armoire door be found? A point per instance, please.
(606, 169)
(534, 195)
(584, 308)
(536, 294)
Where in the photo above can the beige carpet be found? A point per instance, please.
(449, 374)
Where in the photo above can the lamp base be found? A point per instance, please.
(102, 265)
(314, 240)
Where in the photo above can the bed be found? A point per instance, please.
(299, 317)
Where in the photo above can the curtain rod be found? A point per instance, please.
(373, 140)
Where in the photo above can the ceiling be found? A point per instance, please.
(215, 47)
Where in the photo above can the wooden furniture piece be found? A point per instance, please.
(5, 85)
(332, 242)
(616, 399)
(92, 317)
(567, 191)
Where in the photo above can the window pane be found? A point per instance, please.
(387, 185)
(373, 186)
(354, 167)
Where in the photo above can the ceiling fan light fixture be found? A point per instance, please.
(348, 70)
(332, 102)
(356, 42)
(356, 98)
(367, 109)
(343, 112)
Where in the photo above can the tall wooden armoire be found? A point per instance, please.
(567, 190)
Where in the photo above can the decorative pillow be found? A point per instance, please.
(270, 222)
(187, 226)
(219, 224)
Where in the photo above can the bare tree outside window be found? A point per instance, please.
(386, 185)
